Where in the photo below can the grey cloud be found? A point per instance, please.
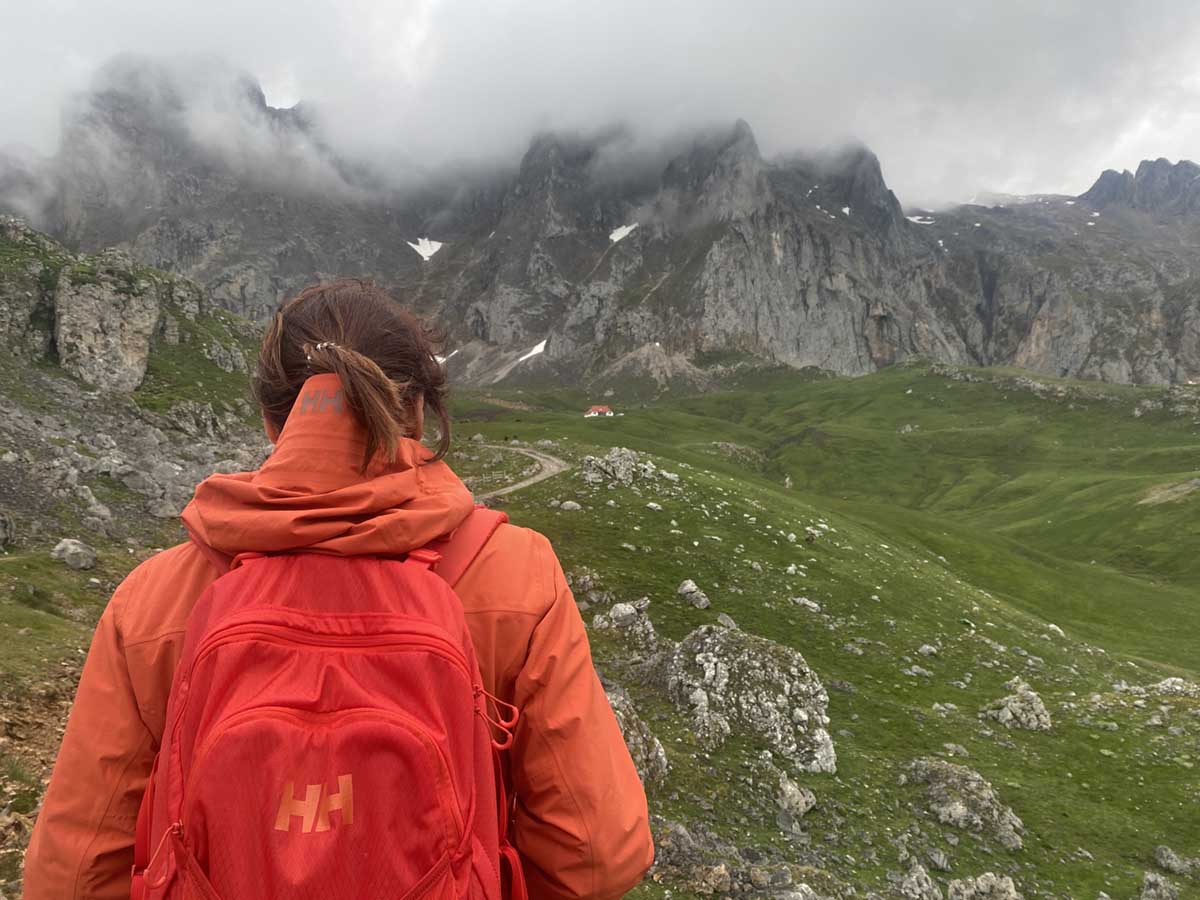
(954, 97)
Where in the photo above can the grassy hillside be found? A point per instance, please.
(970, 527)
(966, 515)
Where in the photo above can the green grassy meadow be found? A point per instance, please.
(967, 515)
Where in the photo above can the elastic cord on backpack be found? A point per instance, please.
(503, 724)
(173, 832)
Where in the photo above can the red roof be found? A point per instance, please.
(600, 409)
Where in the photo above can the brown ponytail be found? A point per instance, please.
(382, 354)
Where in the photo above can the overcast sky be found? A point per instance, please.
(955, 96)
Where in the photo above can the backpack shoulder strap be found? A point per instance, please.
(462, 546)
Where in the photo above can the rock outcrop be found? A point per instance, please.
(99, 317)
(917, 885)
(960, 797)
(1156, 887)
(1172, 862)
(646, 750)
(987, 886)
(1021, 709)
(104, 316)
(729, 680)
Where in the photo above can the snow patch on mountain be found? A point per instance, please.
(540, 348)
(426, 247)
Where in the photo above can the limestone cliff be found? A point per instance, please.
(592, 262)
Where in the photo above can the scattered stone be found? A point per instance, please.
(726, 621)
(1176, 687)
(1172, 862)
(960, 797)
(927, 650)
(477, 438)
(917, 885)
(794, 802)
(631, 623)
(693, 595)
(938, 859)
(569, 506)
(988, 886)
(75, 554)
(713, 879)
(619, 466)
(1156, 887)
(1021, 709)
(622, 615)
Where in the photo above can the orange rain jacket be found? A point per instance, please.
(581, 821)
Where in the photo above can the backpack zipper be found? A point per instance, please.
(290, 634)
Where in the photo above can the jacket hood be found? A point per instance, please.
(310, 494)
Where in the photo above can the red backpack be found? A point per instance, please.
(328, 736)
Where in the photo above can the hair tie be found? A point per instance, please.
(323, 345)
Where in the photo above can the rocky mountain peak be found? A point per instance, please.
(855, 174)
(714, 154)
(552, 154)
(723, 172)
(1158, 186)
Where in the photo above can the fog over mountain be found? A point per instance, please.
(954, 98)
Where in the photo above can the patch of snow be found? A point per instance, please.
(426, 247)
(1090, 224)
(1070, 203)
(445, 359)
(1095, 215)
(492, 235)
(540, 348)
(622, 232)
(920, 220)
(978, 224)
(846, 210)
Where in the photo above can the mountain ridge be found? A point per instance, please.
(635, 265)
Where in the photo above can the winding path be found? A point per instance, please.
(551, 466)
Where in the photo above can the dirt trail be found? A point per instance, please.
(551, 466)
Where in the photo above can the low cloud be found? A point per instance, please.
(954, 97)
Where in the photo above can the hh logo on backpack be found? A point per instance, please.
(315, 806)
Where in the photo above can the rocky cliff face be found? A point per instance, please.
(589, 263)
(99, 317)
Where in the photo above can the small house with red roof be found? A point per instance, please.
(598, 411)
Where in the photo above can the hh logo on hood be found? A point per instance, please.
(313, 810)
(318, 401)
